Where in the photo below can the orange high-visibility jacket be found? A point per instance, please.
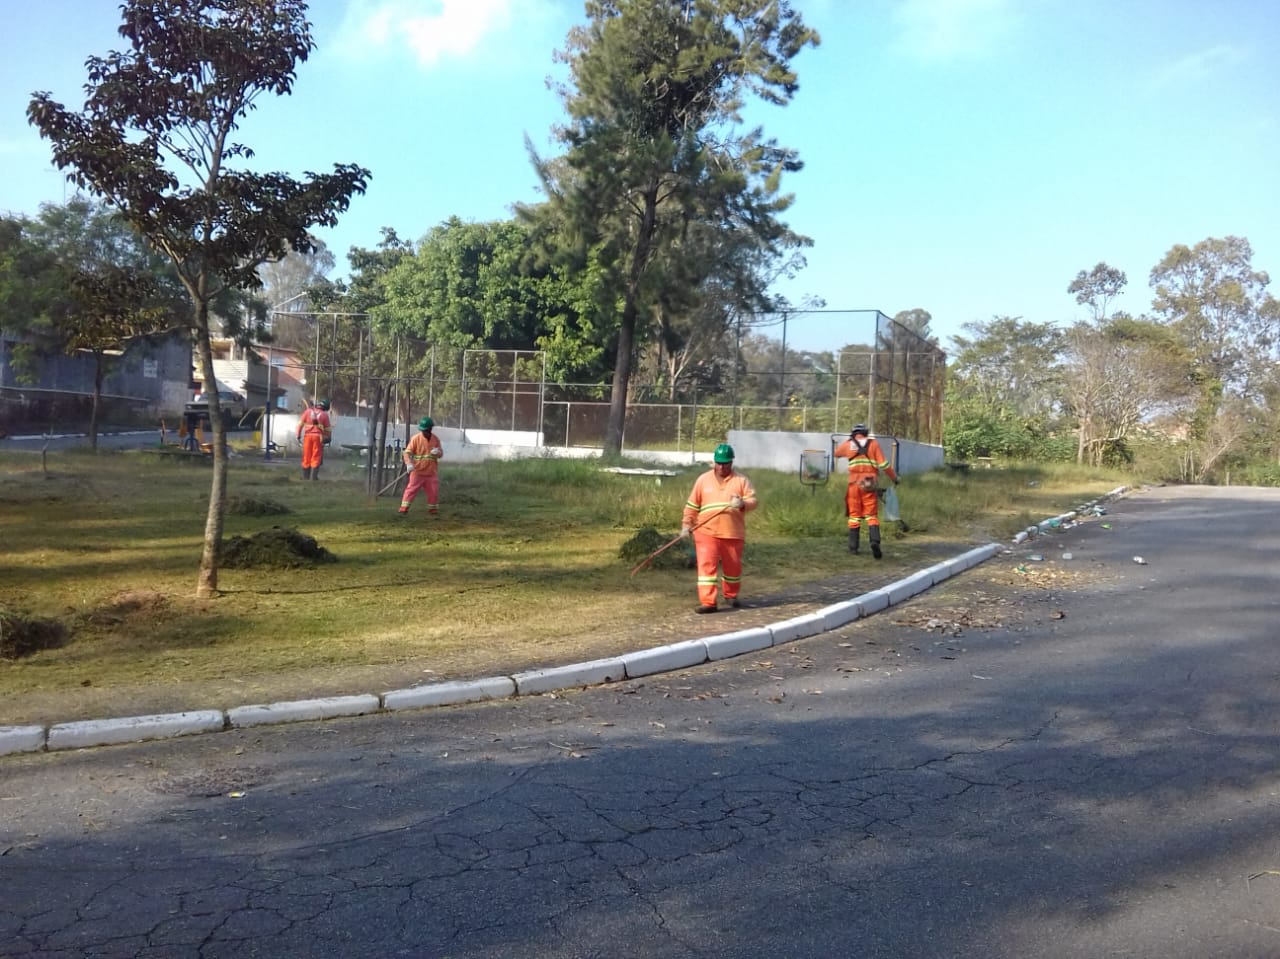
(864, 460)
(418, 453)
(314, 420)
(710, 498)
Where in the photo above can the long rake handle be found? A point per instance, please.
(398, 478)
(662, 549)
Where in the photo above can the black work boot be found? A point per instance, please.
(315, 472)
(306, 472)
(875, 542)
(854, 534)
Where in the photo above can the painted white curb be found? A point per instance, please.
(873, 601)
(798, 627)
(904, 589)
(839, 614)
(134, 729)
(727, 645)
(937, 572)
(450, 693)
(21, 739)
(563, 677)
(975, 556)
(302, 710)
(662, 659)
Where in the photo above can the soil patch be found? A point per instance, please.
(21, 635)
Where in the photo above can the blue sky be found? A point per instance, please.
(967, 157)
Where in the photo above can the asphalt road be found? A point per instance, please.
(1087, 770)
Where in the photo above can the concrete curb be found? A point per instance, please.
(242, 717)
(645, 662)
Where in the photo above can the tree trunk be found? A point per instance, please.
(373, 475)
(207, 583)
(621, 381)
(96, 408)
(627, 331)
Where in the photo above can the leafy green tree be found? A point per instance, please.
(653, 147)
(97, 290)
(917, 321)
(1219, 306)
(33, 291)
(1119, 374)
(1096, 288)
(155, 140)
(389, 357)
(715, 283)
(1004, 388)
(466, 287)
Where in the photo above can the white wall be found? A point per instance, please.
(752, 448)
(783, 451)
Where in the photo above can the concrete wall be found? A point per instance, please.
(752, 449)
(783, 451)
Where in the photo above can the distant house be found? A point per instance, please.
(149, 381)
(288, 378)
(253, 371)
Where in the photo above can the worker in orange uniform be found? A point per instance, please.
(862, 499)
(314, 430)
(421, 456)
(715, 517)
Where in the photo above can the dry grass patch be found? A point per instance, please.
(527, 565)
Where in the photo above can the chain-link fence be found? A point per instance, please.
(893, 383)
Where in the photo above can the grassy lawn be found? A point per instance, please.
(522, 568)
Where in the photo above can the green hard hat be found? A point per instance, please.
(723, 453)
(426, 423)
(324, 404)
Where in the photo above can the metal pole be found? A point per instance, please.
(316, 365)
(835, 417)
(782, 374)
(359, 365)
(462, 400)
(266, 414)
(542, 399)
(333, 355)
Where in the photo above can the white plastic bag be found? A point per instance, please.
(890, 510)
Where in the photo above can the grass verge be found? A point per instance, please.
(523, 567)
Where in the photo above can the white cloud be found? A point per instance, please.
(431, 30)
(942, 30)
(1196, 67)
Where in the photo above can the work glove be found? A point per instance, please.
(436, 453)
(685, 532)
(735, 502)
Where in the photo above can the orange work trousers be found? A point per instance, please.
(718, 556)
(861, 506)
(429, 484)
(312, 450)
